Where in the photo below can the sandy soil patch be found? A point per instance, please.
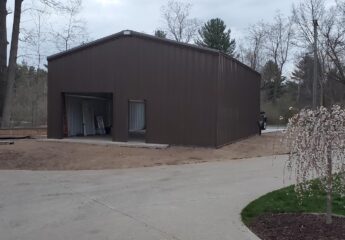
(35, 155)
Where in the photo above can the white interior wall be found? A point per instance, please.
(136, 116)
(80, 109)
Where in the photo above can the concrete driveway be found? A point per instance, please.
(185, 202)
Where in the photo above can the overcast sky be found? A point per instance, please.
(105, 17)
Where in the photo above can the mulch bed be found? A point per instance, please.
(298, 227)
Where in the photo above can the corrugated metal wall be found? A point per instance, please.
(177, 83)
(238, 101)
(193, 96)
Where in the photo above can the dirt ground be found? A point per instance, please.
(37, 155)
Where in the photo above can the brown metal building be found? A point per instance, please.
(136, 86)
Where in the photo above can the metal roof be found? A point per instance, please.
(131, 33)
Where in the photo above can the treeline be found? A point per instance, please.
(39, 28)
(281, 97)
(30, 97)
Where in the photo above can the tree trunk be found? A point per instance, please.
(322, 94)
(12, 65)
(329, 186)
(3, 52)
(315, 73)
(322, 88)
(298, 93)
(275, 90)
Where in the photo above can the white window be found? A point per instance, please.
(136, 116)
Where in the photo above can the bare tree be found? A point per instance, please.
(316, 140)
(257, 38)
(333, 31)
(252, 53)
(54, 4)
(12, 63)
(3, 52)
(74, 31)
(35, 39)
(278, 45)
(306, 16)
(279, 40)
(303, 15)
(269, 41)
(178, 23)
(331, 40)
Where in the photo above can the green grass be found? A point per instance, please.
(285, 200)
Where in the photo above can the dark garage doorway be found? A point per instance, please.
(88, 115)
(137, 120)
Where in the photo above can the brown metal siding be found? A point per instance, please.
(238, 101)
(177, 82)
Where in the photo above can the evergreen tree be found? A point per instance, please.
(272, 81)
(160, 34)
(303, 76)
(214, 35)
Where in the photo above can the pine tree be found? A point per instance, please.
(303, 76)
(160, 33)
(272, 81)
(214, 35)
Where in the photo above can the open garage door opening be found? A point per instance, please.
(137, 120)
(88, 115)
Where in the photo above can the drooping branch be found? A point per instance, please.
(316, 140)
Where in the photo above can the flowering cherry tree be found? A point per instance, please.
(316, 141)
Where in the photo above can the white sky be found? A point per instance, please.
(105, 17)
